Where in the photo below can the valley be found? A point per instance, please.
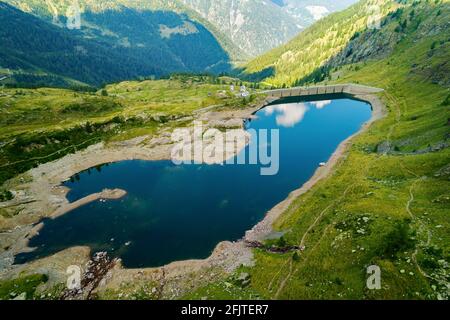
(377, 195)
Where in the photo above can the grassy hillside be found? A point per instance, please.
(387, 203)
(314, 46)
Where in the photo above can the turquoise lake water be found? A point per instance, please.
(174, 213)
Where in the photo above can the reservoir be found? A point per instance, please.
(179, 212)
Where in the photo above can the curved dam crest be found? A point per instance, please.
(172, 213)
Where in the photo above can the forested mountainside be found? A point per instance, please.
(37, 52)
(112, 45)
(124, 39)
(243, 28)
(57, 11)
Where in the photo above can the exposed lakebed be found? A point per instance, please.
(178, 212)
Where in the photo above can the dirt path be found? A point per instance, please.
(303, 239)
(416, 219)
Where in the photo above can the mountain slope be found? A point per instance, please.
(167, 35)
(138, 41)
(249, 24)
(316, 45)
(257, 26)
(35, 48)
(344, 38)
(242, 27)
(57, 12)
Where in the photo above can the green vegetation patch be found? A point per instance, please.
(235, 287)
(23, 286)
(6, 195)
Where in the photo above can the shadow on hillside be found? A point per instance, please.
(256, 76)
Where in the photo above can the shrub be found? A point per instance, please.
(281, 243)
(6, 195)
(26, 284)
(397, 240)
(446, 102)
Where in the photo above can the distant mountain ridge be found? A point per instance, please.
(244, 28)
(309, 11)
(257, 26)
(249, 24)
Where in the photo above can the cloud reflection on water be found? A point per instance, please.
(321, 104)
(289, 115)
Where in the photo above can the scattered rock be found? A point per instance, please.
(384, 147)
(22, 296)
